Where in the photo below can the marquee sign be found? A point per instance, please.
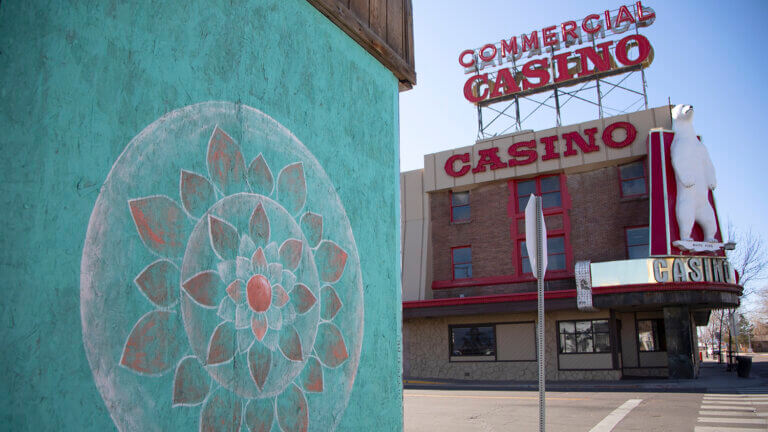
(500, 73)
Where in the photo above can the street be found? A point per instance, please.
(726, 406)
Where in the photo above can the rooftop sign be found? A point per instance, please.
(499, 71)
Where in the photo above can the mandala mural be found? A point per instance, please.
(217, 295)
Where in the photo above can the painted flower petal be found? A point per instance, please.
(270, 251)
(329, 303)
(244, 340)
(311, 377)
(159, 282)
(312, 226)
(259, 262)
(330, 346)
(243, 316)
(330, 260)
(225, 163)
(197, 194)
(243, 269)
(190, 383)
(275, 318)
(227, 269)
(292, 413)
(259, 293)
(161, 224)
(259, 362)
(154, 344)
(205, 288)
(258, 226)
(279, 296)
(259, 326)
(224, 238)
(292, 187)
(227, 309)
(302, 298)
(222, 412)
(259, 415)
(290, 253)
(247, 246)
(236, 291)
(275, 273)
(290, 344)
(289, 279)
(222, 345)
(260, 176)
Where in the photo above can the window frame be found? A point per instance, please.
(626, 240)
(563, 253)
(560, 350)
(622, 179)
(467, 205)
(518, 215)
(470, 326)
(658, 333)
(453, 263)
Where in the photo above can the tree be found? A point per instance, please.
(749, 259)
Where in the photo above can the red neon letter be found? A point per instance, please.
(542, 73)
(590, 29)
(563, 74)
(569, 30)
(488, 157)
(485, 58)
(608, 23)
(608, 134)
(471, 61)
(602, 63)
(531, 42)
(504, 81)
(624, 15)
(549, 148)
(641, 16)
(549, 34)
(523, 149)
(506, 49)
(642, 44)
(575, 137)
(468, 95)
(464, 157)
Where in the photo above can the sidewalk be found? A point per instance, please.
(712, 377)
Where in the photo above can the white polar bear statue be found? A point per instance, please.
(695, 176)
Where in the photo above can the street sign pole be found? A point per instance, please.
(540, 335)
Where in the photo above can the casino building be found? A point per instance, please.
(623, 294)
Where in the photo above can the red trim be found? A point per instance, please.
(453, 269)
(644, 177)
(561, 294)
(495, 280)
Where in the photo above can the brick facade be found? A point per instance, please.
(598, 216)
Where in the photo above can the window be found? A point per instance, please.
(592, 336)
(462, 262)
(555, 255)
(473, 341)
(547, 187)
(650, 335)
(632, 177)
(460, 207)
(637, 242)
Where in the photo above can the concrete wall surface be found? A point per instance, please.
(201, 220)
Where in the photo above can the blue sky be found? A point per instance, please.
(706, 54)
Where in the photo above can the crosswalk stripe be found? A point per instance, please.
(727, 407)
(737, 402)
(723, 413)
(722, 429)
(731, 420)
(612, 419)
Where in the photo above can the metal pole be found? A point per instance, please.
(540, 335)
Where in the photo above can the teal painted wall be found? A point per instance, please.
(80, 82)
